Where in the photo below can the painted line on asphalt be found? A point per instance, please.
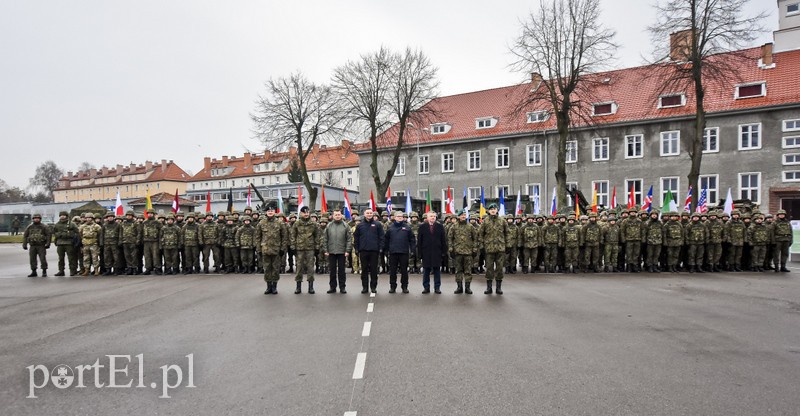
(350, 413)
(367, 328)
(370, 307)
(372, 294)
(361, 361)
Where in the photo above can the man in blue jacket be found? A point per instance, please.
(432, 245)
(368, 240)
(399, 242)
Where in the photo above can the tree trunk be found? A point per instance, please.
(696, 152)
(562, 121)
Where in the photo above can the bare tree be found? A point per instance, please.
(329, 178)
(85, 166)
(562, 43)
(700, 30)
(296, 112)
(386, 89)
(45, 180)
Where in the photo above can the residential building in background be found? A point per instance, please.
(131, 181)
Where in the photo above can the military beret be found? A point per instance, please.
(492, 205)
(304, 209)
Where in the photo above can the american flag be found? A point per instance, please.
(701, 203)
(688, 205)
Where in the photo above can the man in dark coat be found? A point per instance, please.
(431, 246)
(399, 242)
(368, 241)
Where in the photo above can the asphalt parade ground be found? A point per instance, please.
(595, 344)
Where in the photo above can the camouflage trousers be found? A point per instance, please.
(356, 260)
(591, 256)
(246, 256)
(37, 252)
(653, 255)
(191, 258)
(551, 255)
(130, 251)
(231, 257)
(571, 256)
(735, 255)
(208, 251)
(529, 257)
(111, 256)
(611, 254)
(69, 251)
(171, 258)
(780, 253)
(633, 249)
(305, 263)
(463, 265)
(91, 256)
(673, 255)
(272, 267)
(511, 257)
(694, 255)
(713, 253)
(757, 255)
(152, 255)
(494, 265)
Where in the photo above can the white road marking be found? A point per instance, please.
(367, 328)
(370, 307)
(350, 413)
(372, 294)
(361, 361)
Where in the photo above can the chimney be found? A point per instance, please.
(766, 54)
(164, 165)
(92, 172)
(119, 168)
(266, 155)
(69, 174)
(132, 167)
(323, 147)
(224, 161)
(536, 79)
(104, 170)
(148, 166)
(206, 163)
(345, 144)
(247, 159)
(680, 45)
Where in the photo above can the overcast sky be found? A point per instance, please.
(111, 82)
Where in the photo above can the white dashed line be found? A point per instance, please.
(367, 328)
(350, 413)
(361, 361)
(370, 307)
(372, 294)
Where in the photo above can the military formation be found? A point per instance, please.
(271, 243)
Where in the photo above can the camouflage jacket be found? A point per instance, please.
(590, 234)
(696, 233)
(611, 234)
(462, 239)
(532, 235)
(170, 236)
(735, 232)
(759, 235)
(716, 231)
(131, 232)
(631, 230)
(246, 236)
(65, 232)
(209, 233)
(512, 237)
(228, 235)
(36, 235)
(492, 234)
(90, 233)
(151, 230)
(272, 234)
(191, 235)
(654, 232)
(551, 234)
(304, 235)
(112, 234)
(781, 231)
(673, 234)
(571, 236)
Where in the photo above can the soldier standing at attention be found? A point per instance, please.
(590, 239)
(221, 225)
(696, 237)
(245, 239)
(413, 259)
(190, 241)
(272, 238)
(90, 239)
(610, 242)
(572, 241)
(399, 242)
(631, 232)
(170, 244)
(151, 232)
(654, 235)
(111, 241)
(368, 242)
(552, 240)
(355, 260)
(782, 237)
(758, 236)
(492, 234)
(304, 238)
(208, 242)
(531, 236)
(130, 237)
(36, 239)
(65, 233)
(673, 240)
(463, 245)
(15, 224)
(735, 234)
(511, 245)
(228, 240)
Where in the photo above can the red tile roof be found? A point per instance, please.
(634, 90)
(164, 171)
(163, 198)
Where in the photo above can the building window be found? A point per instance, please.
(791, 176)
(349, 181)
(636, 185)
(505, 189)
(440, 128)
(474, 160)
(572, 151)
(791, 142)
(193, 187)
(792, 9)
(571, 186)
(538, 116)
(755, 89)
(400, 170)
(448, 162)
(670, 143)
(485, 123)
(424, 165)
(750, 186)
(534, 154)
(533, 189)
(750, 136)
(604, 109)
(501, 158)
(602, 192)
(400, 193)
(711, 184)
(633, 146)
(422, 193)
(791, 159)
(474, 193)
(671, 100)
(671, 184)
(711, 140)
(600, 148)
(791, 125)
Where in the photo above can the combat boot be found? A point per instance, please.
(97, 272)
(85, 272)
(311, 288)
(33, 274)
(269, 289)
(332, 290)
(299, 289)
(44, 272)
(459, 288)
(699, 269)
(158, 271)
(130, 271)
(467, 290)
(524, 269)
(167, 271)
(488, 290)
(393, 288)
(405, 289)
(783, 268)
(60, 273)
(274, 288)
(499, 289)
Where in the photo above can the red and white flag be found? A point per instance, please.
(208, 202)
(118, 210)
(249, 198)
(175, 204)
(631, 198)
(300, 203)
(372, 205)
(614, 197)
(448, 208)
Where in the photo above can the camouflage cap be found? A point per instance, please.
(96, 216)
(292, 215)
(36, 215)
(246, 218)
(384, 214)
(63, 213)
(492, 205)
(769, 216)
(746, 216)
(703, 215)
(151, 211)
(736, 212)
(191, 214)
(109, 214)
(282, 215)
(76, 218)
(235, 212)
(591, 215)
(169, 216)
(781, 211)
(161, 216)
(130, 212)
(209, 214)
(414, 214)
(180, 214)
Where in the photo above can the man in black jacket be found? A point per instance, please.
(432, 245)
(399, 242)
(368, 240)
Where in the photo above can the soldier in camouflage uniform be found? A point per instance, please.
(735, 234)
(610, 240)
(782, 237)
(571, 236)
(716, 235)
(413, 259)
(462, 240)
(322, 262)
(531, 239)
(512, 245)
(272, 236)
(36, 239)
(65, 233)
(304, 238)
(111, 241)
(355, 260)
(769, 221)
(151, 231)
(654, 235)
(130, 236)
(190, 240)
(90, 238)
(758, 236)
(208, 243)
(696, 237)
(169, 241)
(228, 239)
(591, 236)
(673, 240)
(222, 223)
(246, 241)
(551, 235)
(492, 235)
(631, 233)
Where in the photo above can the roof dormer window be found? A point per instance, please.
(672, 100)
(750, 90)
(440, 128)
(604, 109)
(538, 116)
(485, 122)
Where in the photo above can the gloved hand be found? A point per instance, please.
(24, 246)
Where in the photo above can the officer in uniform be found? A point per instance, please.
(673, 240)
(66, 233)
(151, 233)
(131, 237)
(111, 241)
(782, 237)
(245, 239)
(272, 238)
(208, 241)
(590, 240)
(572, 240)
(304, 239)
(169, 240)
(228, 240)
(36, 239)
(492, 234)
(463, 245)
(90, 238)
(631, 232)
(190, 240)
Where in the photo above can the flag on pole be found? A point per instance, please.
(347, 211)
(249, 197)
(632, 197)
(701, 202)
(208, 202)
(648, 200)
(501, 211)
(175, 204)
(553, 207)
(518, 208)
(118, 210)
(466, 202)
(482, 211)
(389, 200)
(729, 202)
(536, 202)
(687, 205)
(577, 207)
(280, 202)
(230, 200)
(408, 201)
(669, 202)
(372, 205)
(428, 201)
(614, 197)
(148, 204)
(594, 198)
(450, 209)
(300, 203)
(324, 201)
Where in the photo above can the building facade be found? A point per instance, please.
(132, 181)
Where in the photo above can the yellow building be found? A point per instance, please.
(131, 181)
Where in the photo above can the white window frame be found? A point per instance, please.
(789, 159)
(675, 193)
(571, 186)
(637, 195)
(422, 193)
(598, 141)
(680, 94)
(474, 190)
(750, 188)
(497, 156)
(750, 84)
(469, 160)
(573, 144)
(506, 190)
(740, 136)
(795, 173)
(485, 123)
(677, 143)
(792, 12)
(400, 193)
(427, 159)
(614, 108)
(440, 128)
(795, 139)
(795, 123)
(712, 194)
(452, 157)
(400, 169)
(535, 149)
(602, 195)
(630, 137)
(538, 116)
(706, 136)
(529, 190)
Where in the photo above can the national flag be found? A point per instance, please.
(148, 204)
(466, 202)
(428, 201)
(450, 207)
(648, 200)
(536, 201)
(118, 210)
(389, 200)
(687, 205)
(175, 204)
(249, 196)
(408, 202)
(372, 205)
(577, 207)
(669, 202)
(482, 210)
(230, 200)
(632, 197)
(553, 207)
(701, 202)
(614, 197)
(324, 201)
(729, 202)
(594, 198)
(347, 211)
(208, 202)
(280, 202)
(501, 211)
(300, 203)
(518, 208)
